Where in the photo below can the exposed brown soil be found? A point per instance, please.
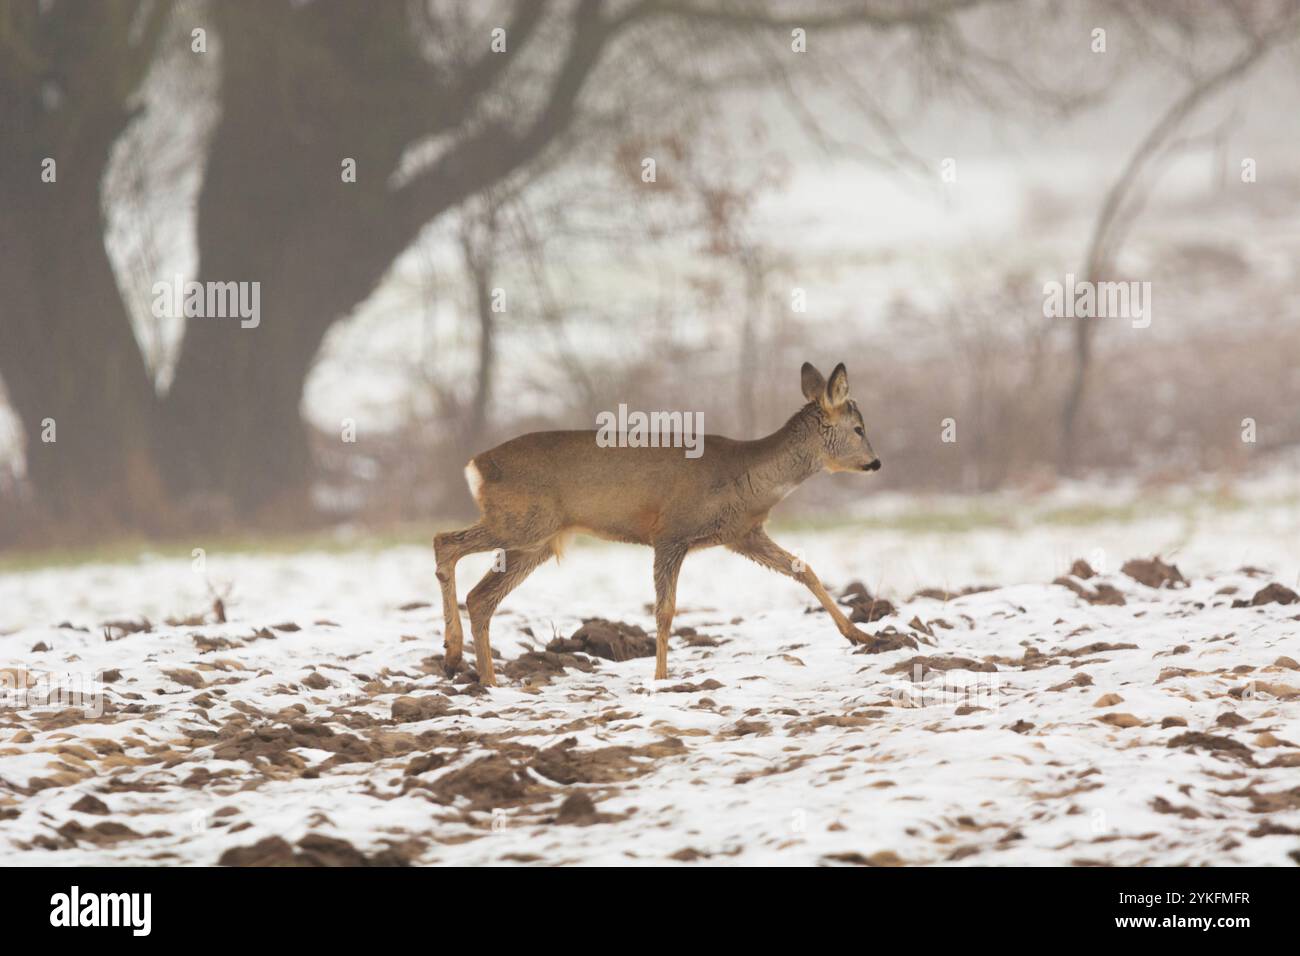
(489, 782)
(312, 850)
(572, 742)
(612, 640)
(888, 639)
(1223, 745)
(1271, 594)
(866, 608)
(565, 763)
(921, 668)
(1102, 593)
(1153, 572)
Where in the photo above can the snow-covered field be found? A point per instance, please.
(316, 725)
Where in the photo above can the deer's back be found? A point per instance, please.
(627, 494)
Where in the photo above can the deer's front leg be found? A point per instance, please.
(668, 562)
(758, 547)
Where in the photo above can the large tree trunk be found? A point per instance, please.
(70, 363)
(69, 359)
(303, 88)
(273, 209)
(232, 430)
(232, 422)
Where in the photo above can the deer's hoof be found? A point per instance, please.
(856, 636)
(451, 666)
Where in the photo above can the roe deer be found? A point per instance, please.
(535, 488)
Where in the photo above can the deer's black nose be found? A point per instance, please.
(873, 465)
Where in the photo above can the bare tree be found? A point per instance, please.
(1260, 32)
(70, 362)
(431, 112)
(478, 242)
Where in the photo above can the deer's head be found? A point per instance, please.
(844, 445)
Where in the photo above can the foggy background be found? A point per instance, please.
(914, 176)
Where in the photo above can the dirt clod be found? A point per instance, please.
(1121, 720)
(1272, 594)
(1153, 572)
(866, 609)
(922, 668)
(538, 667)
(1196, 740)
(612, 640)
(313, 850)
(1102, 594)
(410, 709)
(1082, 569)
(487, 783)
(91, 804)
(579, 810)
(889, 639)
(566, 764)
(883, 858)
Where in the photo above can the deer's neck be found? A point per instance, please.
(785, 459)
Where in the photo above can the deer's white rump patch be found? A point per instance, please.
(474, 478)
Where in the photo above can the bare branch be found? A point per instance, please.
(1119, 208)
(497, 151)
(748, 13)
(461, 100)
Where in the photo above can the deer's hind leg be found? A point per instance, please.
(491, 591)
(449, 547)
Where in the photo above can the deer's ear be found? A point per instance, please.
(837, 389)
(812, 383)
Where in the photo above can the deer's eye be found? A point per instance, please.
(859, 430)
